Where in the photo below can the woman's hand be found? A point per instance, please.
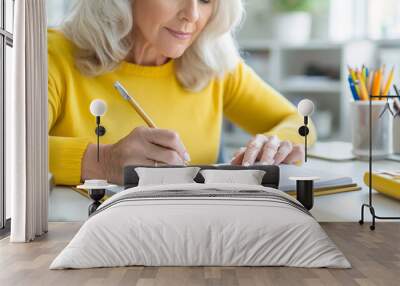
(143, 146)
(268, 150)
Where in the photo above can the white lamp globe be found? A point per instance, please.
(98, 107)
(305, 107)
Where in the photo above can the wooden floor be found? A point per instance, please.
(375, 257)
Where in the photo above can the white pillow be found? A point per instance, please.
(165, 176)
(247, 177)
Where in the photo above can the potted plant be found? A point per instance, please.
(292, 23)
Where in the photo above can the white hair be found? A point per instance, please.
(101, 29)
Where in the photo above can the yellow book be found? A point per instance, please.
(385, 184)
(336, 191)
(330, 191)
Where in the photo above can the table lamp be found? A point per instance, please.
(98, 108)
(305, 185)
(305, 109)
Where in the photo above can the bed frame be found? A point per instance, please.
(304, 187)
(270, 179)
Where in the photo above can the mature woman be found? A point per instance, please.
(179, 60)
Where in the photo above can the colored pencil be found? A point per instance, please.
(361, 83)
(388, 83)
(353, 88)
(376, 86)
(370, 81)
(364, 73)
(383, 71)
(354, 78)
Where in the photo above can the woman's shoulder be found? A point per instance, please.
(57, 39)
(241, 71)
(59, 47)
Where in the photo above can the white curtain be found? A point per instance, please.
(26, 117)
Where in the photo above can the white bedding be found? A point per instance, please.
(268, 228)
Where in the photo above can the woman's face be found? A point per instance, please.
(171, 26)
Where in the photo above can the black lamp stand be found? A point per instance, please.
(100, 131)
(370, 202)
(304, 131)
(304, 186)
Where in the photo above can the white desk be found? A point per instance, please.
(347, 206)
(67, 205)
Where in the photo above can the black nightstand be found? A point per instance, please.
(305, 190)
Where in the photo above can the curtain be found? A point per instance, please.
(26, 117)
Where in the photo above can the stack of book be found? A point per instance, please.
(328, 183)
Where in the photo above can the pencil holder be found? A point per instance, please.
(380, 132)
(396, 135)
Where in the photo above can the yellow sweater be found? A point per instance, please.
(241, 96)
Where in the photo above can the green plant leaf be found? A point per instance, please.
(294, 5)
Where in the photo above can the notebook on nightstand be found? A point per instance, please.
(329, 183)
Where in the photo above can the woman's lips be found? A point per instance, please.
(179, 35)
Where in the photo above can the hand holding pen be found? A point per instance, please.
(166, 144)
(145, 145)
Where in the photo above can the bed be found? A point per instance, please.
(201, 224)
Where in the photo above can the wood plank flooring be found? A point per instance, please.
(375, 257)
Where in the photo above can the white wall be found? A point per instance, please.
(56, 10)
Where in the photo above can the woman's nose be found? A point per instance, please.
(190, 11)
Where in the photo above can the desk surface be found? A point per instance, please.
(347, 206)
(67, 205)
